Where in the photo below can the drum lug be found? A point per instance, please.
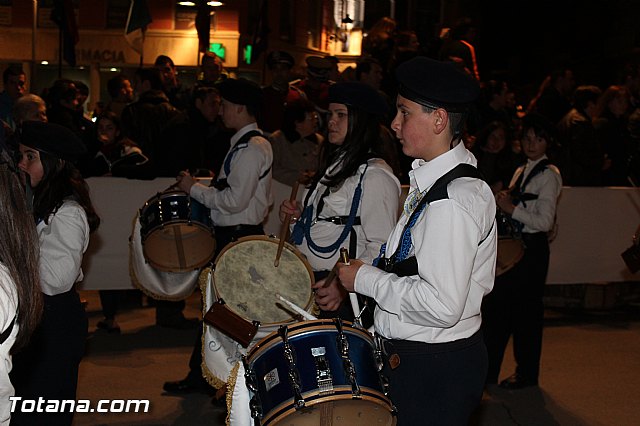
(349, 369)
(250, 378)
(294, 375)
(323, 372)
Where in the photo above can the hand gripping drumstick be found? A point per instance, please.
(344, 258)
(285, 225)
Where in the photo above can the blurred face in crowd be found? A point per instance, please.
(169, 76)
(338, 123)
(16, 86)
(496, 141)
(209, 107)
(107, 131)
(211, 68)
(619, 104)
(30, 164)
(126, 91)
(281, 74)
(308, 126)
(534, 147)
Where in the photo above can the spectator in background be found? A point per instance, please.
(62, 108)
(14, 82)
(369, 71)
(334, 72)
(178, 95)
(296, 145)
(496, 159)
(582, 153)
(379, 42)
(143, 121)
(491, 106)
(279, 92)
(554, 95)
(29, 108)
(460, 47)
(611, 124)
(195, 140)
(212, 70)
(120, 92)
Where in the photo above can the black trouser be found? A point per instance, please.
(224, 236)
(515, 307)
(48, 367)
(109, 300)
(436, 384)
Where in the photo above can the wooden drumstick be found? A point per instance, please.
(306, 315)
(285, 225)
(344, 258)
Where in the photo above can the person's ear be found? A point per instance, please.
(440, 120)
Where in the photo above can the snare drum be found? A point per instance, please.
(335, 375)
(153, 282)
(510, 245)
(176, 232)
(247, 281)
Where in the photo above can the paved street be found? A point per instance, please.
(590, 372)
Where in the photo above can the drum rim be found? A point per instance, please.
(516, 260)
(282, 411)
(300, 329)
(274, 240)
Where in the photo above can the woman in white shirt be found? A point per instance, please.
(64, 216)
(353, 200)
(18, 277)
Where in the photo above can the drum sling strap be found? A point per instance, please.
(518, 193)
(5, 334)
(243, 142)
(399, 263)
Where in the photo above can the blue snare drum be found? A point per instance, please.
(176, 232)
(317, 372)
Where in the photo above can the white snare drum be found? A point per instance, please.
(153, 282)
(247, 281)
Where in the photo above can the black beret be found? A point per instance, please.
(358, 95)
(280, 57)
(52, 139)
(240, 91)
(436, 84)
(318, 67)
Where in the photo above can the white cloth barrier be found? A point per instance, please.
(594, 226)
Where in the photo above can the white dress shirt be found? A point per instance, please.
(539, 215)
(441, 303)
(8, 308)
(247, 199)
(62, 243)
(378, 210)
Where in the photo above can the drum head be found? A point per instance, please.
(510, 251)
(247, 281)
(179, 247)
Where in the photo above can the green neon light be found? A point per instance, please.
(218, 49)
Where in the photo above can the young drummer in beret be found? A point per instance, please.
(439, 261)
(64, 218)
(239, 197)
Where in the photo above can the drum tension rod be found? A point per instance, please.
(294, 375)
(349, 369)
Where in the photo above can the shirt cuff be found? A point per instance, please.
(197, 192)
(366, 278)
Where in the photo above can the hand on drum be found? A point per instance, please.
(289, 208)
(347, 273)
(329, 298)
(505, 202)
(185, 181)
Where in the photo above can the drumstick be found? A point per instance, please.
(344, 258)
(285, 225)
(306, 315)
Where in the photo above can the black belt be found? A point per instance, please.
(340, 220)
(237, 228)
(408, 346)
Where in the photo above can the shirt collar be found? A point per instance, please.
(425, 173)
(240, 133)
